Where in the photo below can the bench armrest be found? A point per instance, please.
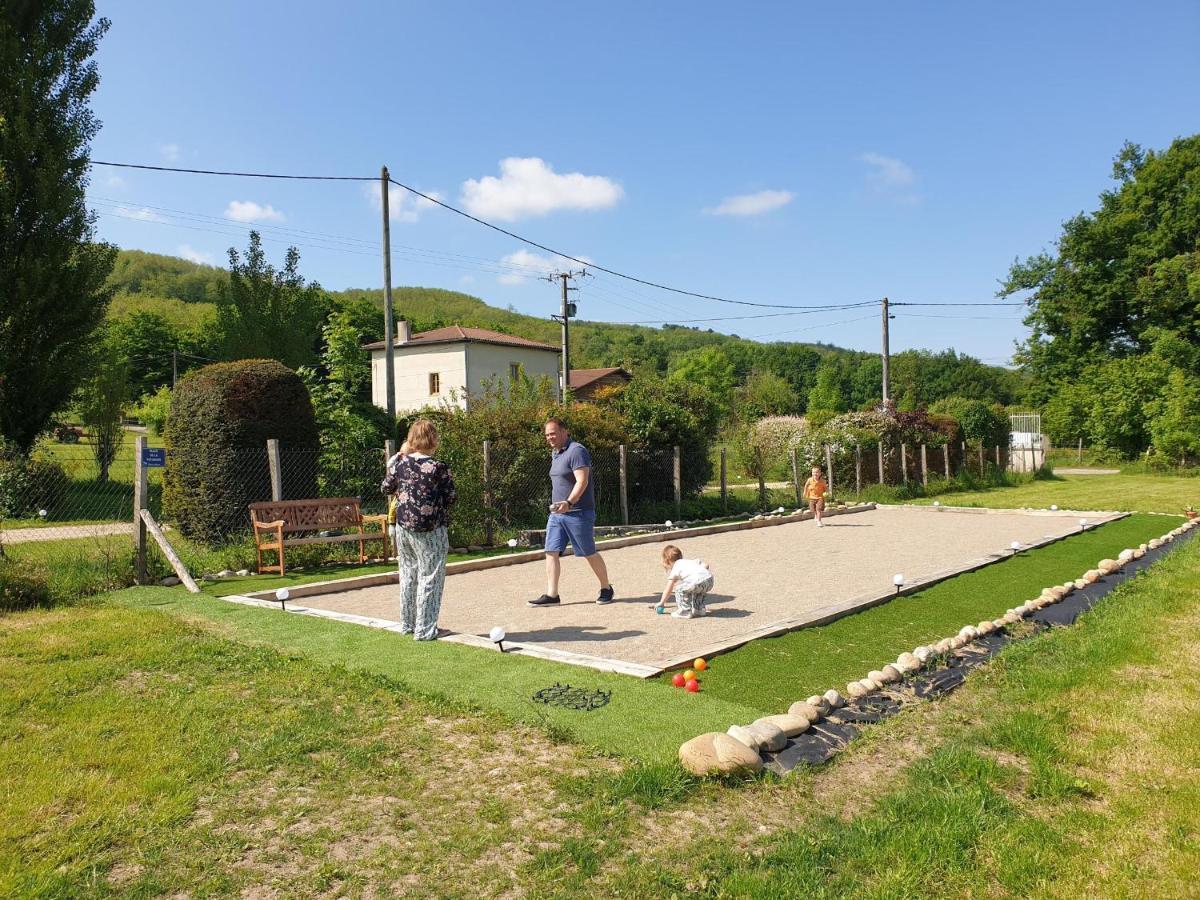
(264, 526)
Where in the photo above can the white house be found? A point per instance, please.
(450, 364)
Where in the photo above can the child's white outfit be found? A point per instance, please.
(693, 581)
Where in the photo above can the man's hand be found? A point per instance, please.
(561, 506)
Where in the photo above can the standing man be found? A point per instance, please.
(572, 512)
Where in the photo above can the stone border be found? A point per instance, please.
(740, 748)
(340, 585)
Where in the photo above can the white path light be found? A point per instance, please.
(512, 542)
(497, 636)
(1054, 507)
(42, 513)
(1082, 524)
(282, 596)
(1016, 547)
(898, 581)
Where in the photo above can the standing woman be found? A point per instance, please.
(424, 490)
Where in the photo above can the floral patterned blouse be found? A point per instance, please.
(424, 490)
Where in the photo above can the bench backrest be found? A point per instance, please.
(310, 515)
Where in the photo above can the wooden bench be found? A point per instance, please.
(274, 521)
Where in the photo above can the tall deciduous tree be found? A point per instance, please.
(1120, 273)
(265, 313)
(52, 273)
(101, 401)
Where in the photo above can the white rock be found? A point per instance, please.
(805, 709)
(225, 573)
(768, 735)
(891, 674)
(876, 676)
(242, 573)
(1091, 576)
(819, 703)
(836, 700)
(1139, 553)
(1011, 617)
(1154, 544)
(789, 724)
(1143, 547)
(922, 654)
(957, 641)
(1125, 555)
(908, 662)
(1108, 566)
(944, 646)
(747, 737)
(854, 690)
(998, 624)
(985, 627)
(970, 632)
(169, 581)
(715, 753)
(1080, 584)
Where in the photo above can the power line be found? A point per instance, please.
(810, 327)
(803, 312)
(117, 165)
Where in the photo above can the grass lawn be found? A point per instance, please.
(1143, 493)
(649, 720)
(146, 754)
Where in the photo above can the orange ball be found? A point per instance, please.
(689, 675)
(692, 686)
(700, 665)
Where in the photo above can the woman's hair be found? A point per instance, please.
(422, 436)
(671, 555)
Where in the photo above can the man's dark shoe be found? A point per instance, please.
(606, 595)
(545, 600)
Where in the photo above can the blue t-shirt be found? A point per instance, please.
(563, 464)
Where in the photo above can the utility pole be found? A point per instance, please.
(389, 327)
(887, 353)
(568, 310)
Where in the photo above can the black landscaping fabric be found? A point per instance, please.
(835, 731)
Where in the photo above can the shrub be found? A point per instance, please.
(29, 485)
(221, 418)
(152, 410)
(22, 587)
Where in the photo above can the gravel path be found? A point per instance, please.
(765, 576)
(62, 532)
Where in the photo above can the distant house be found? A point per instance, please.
(585, 383)
(437, 366)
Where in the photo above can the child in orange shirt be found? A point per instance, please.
(814, 492)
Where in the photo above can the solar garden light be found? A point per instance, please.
(1016, 547)
(1053, 507)
(898, 581)
(1082, 524)
(497, 635)
(937, 504)
(669, 524)
(512, 542)
(779, 510)
(282, 596)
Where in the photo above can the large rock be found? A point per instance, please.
(943, 646)
(789, 724)
(891, 674)
(715, 753)
(1091, 576)
(877, 676)
(1138, 553)
(745, 735)
(805, 709)
(907, 662)
(1108, 566)
(1125, 555)
(1154, 544)
(923, 653)
(1080, 584)
(970, 632)
(985, 627)
(835, 699)
(854, 690)
(819, 703)
(767, 736)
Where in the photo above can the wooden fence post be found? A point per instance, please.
(276, 471)
(946, 458)
(904, 462)
(829, 470)
(857, 469)
(997, 456)
(725, 485)
(678, 478)
(924, 467)
(489, 523)
(389, 449)
(796, 477)
(879, 448)
(981, 463)
(624, 488)
(141, 484)
(1080, 459)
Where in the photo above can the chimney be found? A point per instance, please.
(403, 331)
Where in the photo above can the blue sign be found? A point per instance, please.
(154, 457)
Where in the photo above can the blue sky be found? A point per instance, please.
(783, 153)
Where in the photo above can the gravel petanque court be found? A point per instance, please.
(768, 580)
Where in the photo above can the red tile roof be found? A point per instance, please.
(581, 378)
(454, 334)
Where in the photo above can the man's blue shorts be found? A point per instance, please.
(577, 526)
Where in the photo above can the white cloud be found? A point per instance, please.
(170, 152)
(249, 211)
(115, 183)
(891, 177)
(751, 204)
(529, 187)
(526, 264)
(467, 279)
(142, 214)
(196, 256)
(402, 206)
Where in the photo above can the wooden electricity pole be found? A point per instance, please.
(886, 352)
(389, 327)
(568, 310)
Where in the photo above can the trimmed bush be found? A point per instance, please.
(28, 485)
(221, 418)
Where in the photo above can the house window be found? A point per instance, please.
(435, 383)
(514, 371)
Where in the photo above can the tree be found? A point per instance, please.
(827, 398)
(52, 272)
(1175, 422)
(709, 368)
(765, 394)
(147, 341)
(1130, 267)
(101, 401)
(264, 313)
